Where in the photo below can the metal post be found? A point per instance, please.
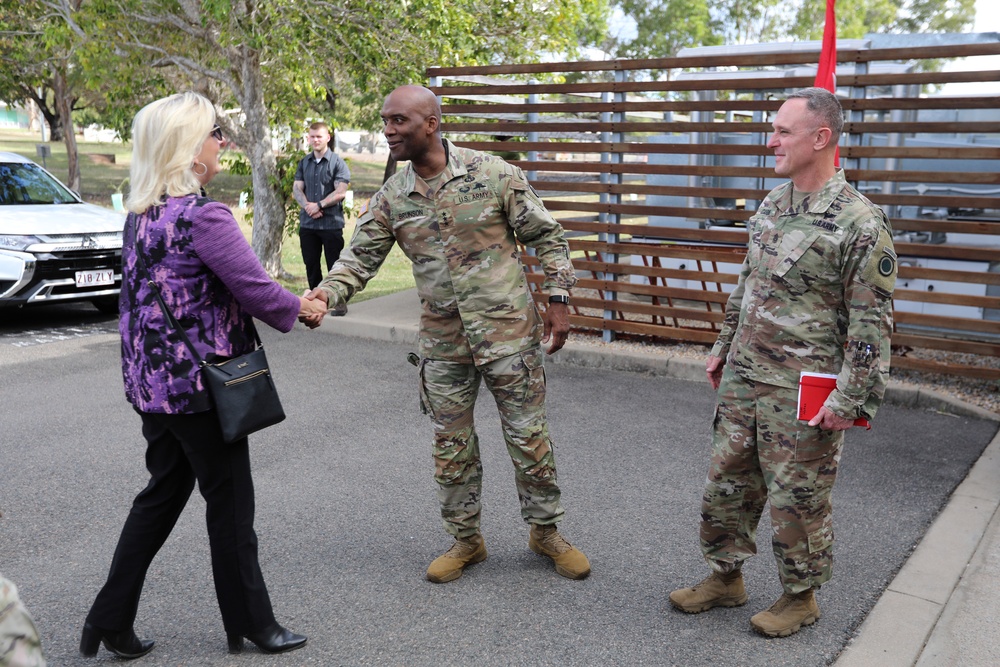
(532, 135)
(611, 157)
(761, 140)
(855, 116)
(894, 139)
(532, 155)
(434, 82)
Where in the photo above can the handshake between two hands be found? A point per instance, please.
(312, 307)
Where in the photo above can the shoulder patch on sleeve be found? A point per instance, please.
(882, 266)
(365, 215)
(518, 180)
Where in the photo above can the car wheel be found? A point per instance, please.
(106, 304)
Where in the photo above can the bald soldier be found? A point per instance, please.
(814, 295)
(458, 214)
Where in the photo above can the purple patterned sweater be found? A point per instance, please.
(213, 284)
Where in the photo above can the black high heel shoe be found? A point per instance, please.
(123, 644)
(272, 639)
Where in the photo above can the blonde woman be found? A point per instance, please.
(213, 283)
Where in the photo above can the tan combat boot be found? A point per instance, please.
(715, 590)
(465, 551)
(570, 561)
(787, 615)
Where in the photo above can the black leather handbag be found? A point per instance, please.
(244, 394)
(241, 388)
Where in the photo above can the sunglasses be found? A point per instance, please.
(217, 133)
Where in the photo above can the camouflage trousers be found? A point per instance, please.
(448, 394)
(762, 453)
(19, 642)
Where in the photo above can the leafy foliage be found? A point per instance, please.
(663, 27)
(274, 64)
(286, 164)
(856, 18)
(38, 63)
(666, 26)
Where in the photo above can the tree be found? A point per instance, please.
(272, 63)
(753, 21)
(857, 18)
(665, 26)
(37, 62)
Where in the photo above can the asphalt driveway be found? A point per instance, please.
(347, 518)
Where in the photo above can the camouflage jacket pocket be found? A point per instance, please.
(805, 265)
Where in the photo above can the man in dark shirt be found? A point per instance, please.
(320, 186)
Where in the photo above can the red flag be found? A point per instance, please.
(826, 74)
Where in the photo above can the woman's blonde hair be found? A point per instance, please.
(167, 135)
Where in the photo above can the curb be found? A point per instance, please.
(910, 620)
(911, 611)
(685, 368)
(899, 393)
(681, 368)
(585, 356)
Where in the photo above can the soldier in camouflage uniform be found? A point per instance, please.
(19, 642)
(814, 294)
(457, 214)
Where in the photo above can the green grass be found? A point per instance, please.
(98, 181)
(366, 177)
(394, 276)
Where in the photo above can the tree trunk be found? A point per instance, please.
(268, 209)
(390, 169)
(64, 105)
(50, 116)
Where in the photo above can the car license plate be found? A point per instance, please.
(94, 278)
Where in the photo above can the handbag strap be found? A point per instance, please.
(171, 320)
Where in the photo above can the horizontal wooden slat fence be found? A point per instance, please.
(654, 166)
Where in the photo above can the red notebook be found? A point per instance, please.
(814, 388)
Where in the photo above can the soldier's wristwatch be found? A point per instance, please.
(559, 298)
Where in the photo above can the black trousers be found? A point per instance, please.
(314, 241)
(182, 449)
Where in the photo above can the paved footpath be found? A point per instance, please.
(347, 518)
(942, 608)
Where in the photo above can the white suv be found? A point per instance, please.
(53, 246)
